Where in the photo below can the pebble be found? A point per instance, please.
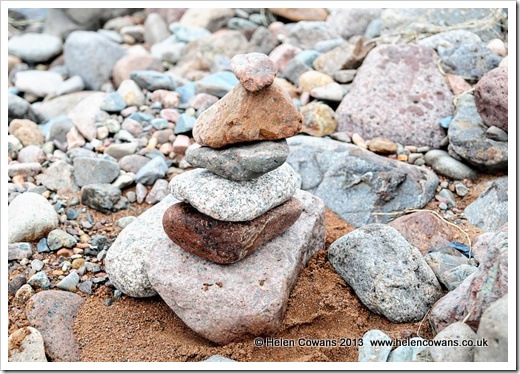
(494, 327)
(217, 84)
(119, 151)
(154, 169)
(184, 124)
(77, 263)
(69, 283)
(498, 47)
(331, 92)
(181, 144)
(254, 70)
(113, 103)
(124, 181)
(341, 137)
(318, 119)
(152, 80)
(42, 246)
(373, 353)
(132, 126)
(38, 83)
(35, 47)
(489, 212)
(37, 265)
(461, 189)
(16, 283)
(130, 62)
(30, 217)
(125, 221)
(167, 99)
(100, 196)
(131, 94)
(444, 164)
(491, 98)
(238, 200)
(39, 281)
(131, 163)
(345, 76)
(141, 192)
(23, 294)
(26, 345)
(457, 331)
(26, 131)
(19, 251)
(158, 192)
(88, 170)
(382, 145)
(359, 141)
(448, 195)
(312, 79)
(86, 287)
(457, 84)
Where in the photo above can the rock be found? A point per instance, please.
(387, 273)
(26, 345)
(305, 34)
(452, 278)
(226, 242)
(19, 251)
(16, 283)
(423, 230)
(312, 79)
(459, 332)
(217, 358)
(409, 117)
(457, 84)
(294, 69)
(234, 201)
(369, 352)
(155, 29)
(491, 98)
(58, 239)
(348, 55)
(418, 351)
(71, 85)
(39, 281)
(181, 144)
(59, 177)
(382, 145)
(242, 162)
(345, 76)
(132, 163)
(132, 126)
(131, 93)
(126, 259)
(152, 80)
(154, 169)
(351, 22)
(318, 119)
(100, 196)
(128, 63)
(493, 328)
(262, 41)
(186, 34)
(208, 18)
(158, 191)
(30, 217)
(254, 70)
(374, 184)
(85, 113)
(489, 212)
(331, 92)
(69, 283)
(32, 47)
(468, 139)
(262, 280)
(444, 164)
(88, 170)
(113, 103)
(443, 259)
(301, 14)
(121, 150)
(124, 181)
(217, 84)
(102, 52)
(474, 295)
(470, 60)
(24, 170)
(18, 108)
(62, 105)
(170, 49)
(283, 54)
(38, 83)
(243, 116)
(53, 313)
(26, 131)
(13, 146)
(31, 154)
(494, 133)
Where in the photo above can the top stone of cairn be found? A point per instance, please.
(254, 70)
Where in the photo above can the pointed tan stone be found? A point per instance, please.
(243, 116)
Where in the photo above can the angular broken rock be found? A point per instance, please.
(254, 70)
(243, 116)
(234, 201)
(241, 162)
(226, 242)
(226, 303)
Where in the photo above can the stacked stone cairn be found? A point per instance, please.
(241, 194)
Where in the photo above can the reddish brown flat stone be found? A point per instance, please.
(254, 70)
(226, 242)
(243, 116)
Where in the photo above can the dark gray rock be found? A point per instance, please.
(294, 69)
(88, 170)
(468, 140)
(490, 211)
(155, 168)
(452, 278)
(152, 80)
(102, 55)
(14, 285)
(243, 162)
(100, 196)
(18, 108)
(444, 164)
(354, 183)
(387, 273)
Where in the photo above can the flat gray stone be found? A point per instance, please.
(205, 295)
(88, 170)
(241, 162)
(30, 349)
(154, 169)
(354, 183)
(30, 217)
(493, 328)
(234, 201)
(489, 212)
(457, 331)
(33, 47)
(444, 164)
(387, 273)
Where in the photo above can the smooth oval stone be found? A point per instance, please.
(234, 201)
(242, 162)
(226, 242)
(254, 70)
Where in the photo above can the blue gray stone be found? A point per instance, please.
(217, 84)
(152, 80)
(489, 212)
(444, 164)
(39, 280)
(58, 239)
(373, 353)
(88, 170)
(69, 283)
(113, 103)
(19, 251)
(184, 124)
(155, 168)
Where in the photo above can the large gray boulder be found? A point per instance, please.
(355, 183)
